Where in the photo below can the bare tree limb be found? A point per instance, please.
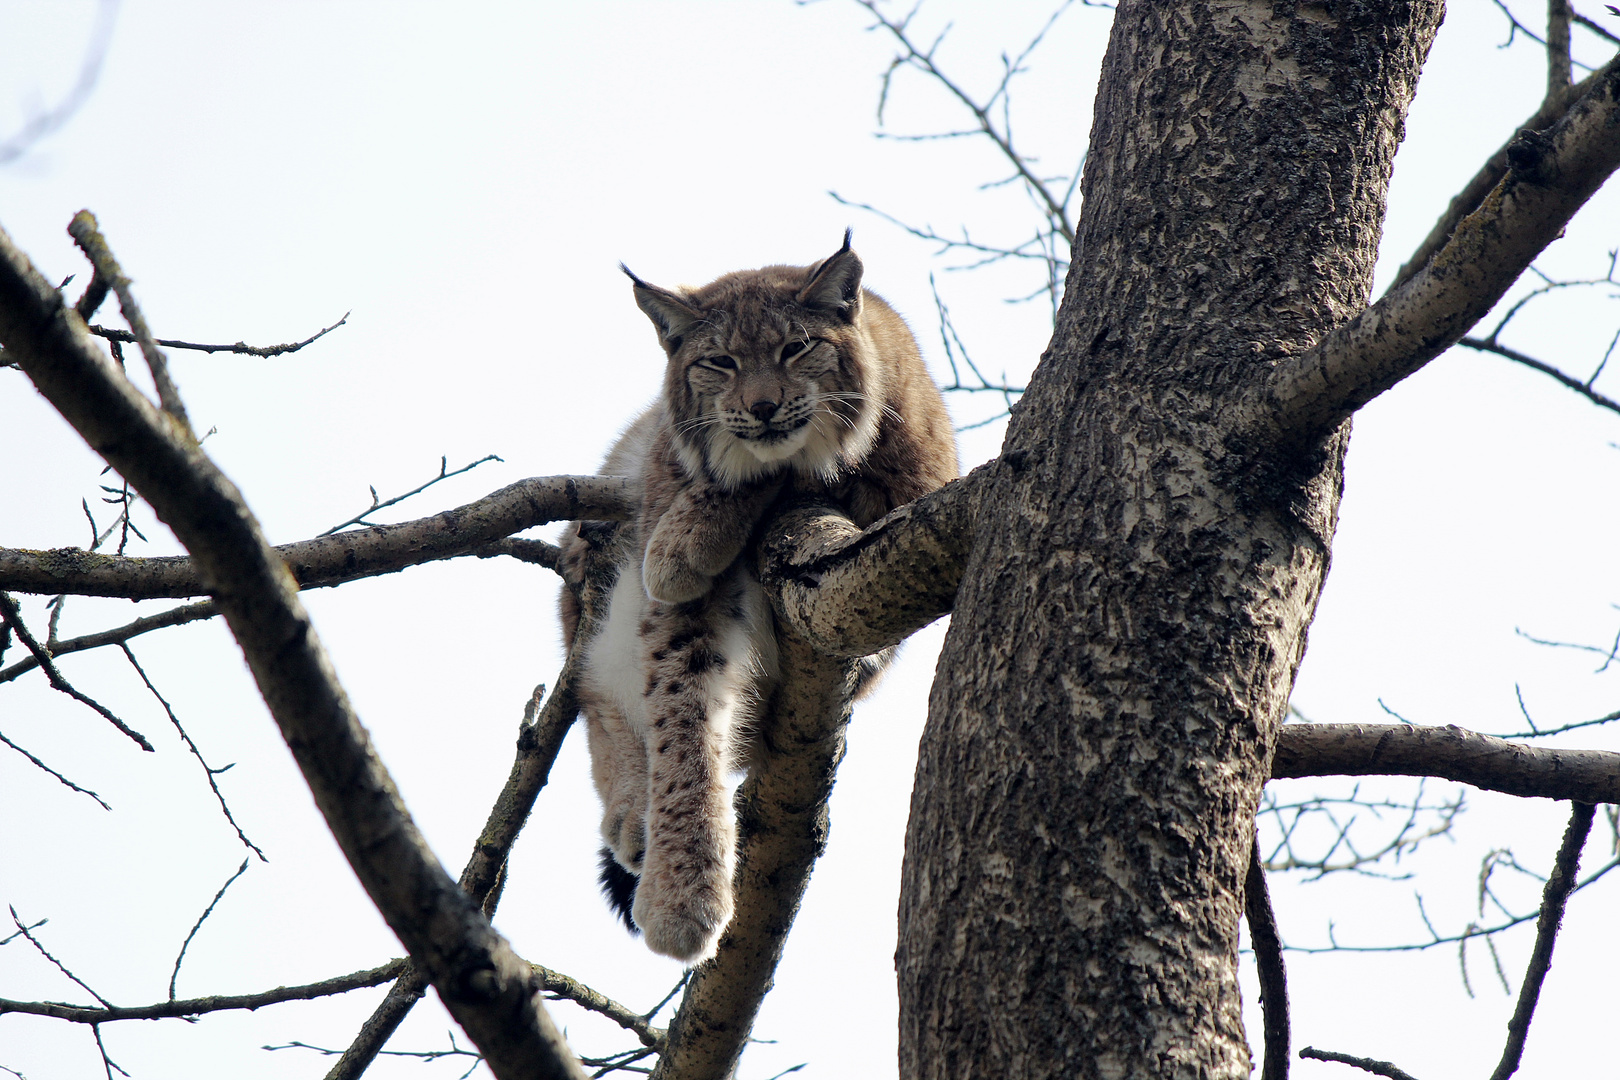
(445, 473)
(341, 557)
(1055, 209)
(570, 989)
(1268, 959)
(1378, 1068)
(536, 552)
(854, 592)
(241, 348)
(12, 615)
(174, 977)
(1450, 752)
(1553, 898)
(1483, 182)
(1583, 388)
(1551, 176)
(78, 1014)
(782, 819)
(60, 778)
(1558, 73)
(540, 736)
(88, 236)
(490, 990)
(179, 616)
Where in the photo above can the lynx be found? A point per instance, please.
(786, 378)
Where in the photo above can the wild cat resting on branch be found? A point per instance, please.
(786, 378)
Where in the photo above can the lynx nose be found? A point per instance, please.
(763, 410)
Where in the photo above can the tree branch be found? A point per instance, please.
(11, 614)
(1558, 80)
(1378, 1068)
(540, 736)
(341, 557)
(1449, 752)
(1551, 176)
(1582, 388)
(77, 1014)
(782, 819)
(1553, 898)
(1490, 174)
(853, 592)
(490, 990)
(1268, 959)
(241, 348)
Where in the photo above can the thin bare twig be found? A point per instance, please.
(60, 778)
(12, 614)
(559, 985)
(1582, 388)
(106, 1062)
(1055, 211)
(27, 933)
(1559, 885)
(1291, 818)
(376, 504)
(208, 770)
(80, 1014)
(177, 616)
(1609, 654)
(241, 348)
(1380, 1068)
(209, 910)
(1438, 939)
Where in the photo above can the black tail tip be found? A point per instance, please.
(619, 887)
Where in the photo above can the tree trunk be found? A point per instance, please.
(1149, 555)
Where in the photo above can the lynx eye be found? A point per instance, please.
(724, 363)
(795, 349)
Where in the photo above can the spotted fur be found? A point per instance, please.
(783, 377)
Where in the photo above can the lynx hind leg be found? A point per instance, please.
(705, 664)
(611, 694)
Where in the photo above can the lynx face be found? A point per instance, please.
(769, 370)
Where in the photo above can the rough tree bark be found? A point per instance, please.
(1085, 796)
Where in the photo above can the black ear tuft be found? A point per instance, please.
(619, 887)
(835, 283)
(671, 313)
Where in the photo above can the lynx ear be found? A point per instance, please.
(836, 283)
(671, 313)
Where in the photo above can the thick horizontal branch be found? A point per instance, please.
(490, 991)
(1452, 753)
(164, 1010)
(341, 557)
(852, 592)
(1551, 175)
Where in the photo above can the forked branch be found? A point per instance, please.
(1550, 176)
(491, 991)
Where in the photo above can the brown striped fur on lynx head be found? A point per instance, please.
(787, 377)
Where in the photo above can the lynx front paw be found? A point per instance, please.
(683, 923)
(672, 580)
